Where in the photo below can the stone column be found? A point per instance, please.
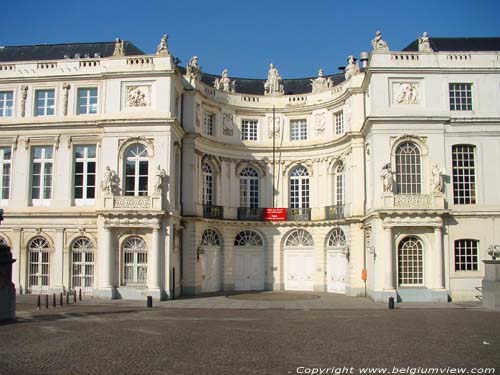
(106, 261)
(154, 262)
(389, 279)
(438, 249)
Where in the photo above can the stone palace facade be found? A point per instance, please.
(126, 175)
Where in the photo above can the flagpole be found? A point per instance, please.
(274, 158)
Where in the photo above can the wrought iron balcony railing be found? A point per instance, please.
(248, 213)
(298, 214)
(213, 212)
(334, 212)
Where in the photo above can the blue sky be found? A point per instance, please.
(245, 36)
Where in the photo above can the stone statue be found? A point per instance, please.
(193, 72)
(378, 43)
(119, 48)
(108, 184)
(387, 178)
(274, 83)
(224, 83)
(321, 83)
(162, 48)
(437, 182)
(424, 44)
(227, 124)
(160, 175)
(352, 67)
(274, 130)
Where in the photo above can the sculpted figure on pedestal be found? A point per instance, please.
(162, 48)
(119, 48)
(378, 43)
(424, 44)
(387, 178)
(274, 83)
(352, 67)
(160, 175)
(224, 83)
(109, 183)
(321, 83)
(437, 181)
(193, 69)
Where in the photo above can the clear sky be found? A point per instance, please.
(245, 36)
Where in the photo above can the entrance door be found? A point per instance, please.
(299, 270)
(337, 271)
(249, 268)
(211, 269)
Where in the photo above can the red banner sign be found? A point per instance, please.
(274, 214)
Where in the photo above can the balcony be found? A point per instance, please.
(250, 214)
(298, 214)
(334, 212)
(213, 212)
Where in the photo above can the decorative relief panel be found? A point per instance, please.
(130, 202)
(405, 93)
(413, 201)
(320, 121)
(138, 96)
(274, 130)
(227, 124)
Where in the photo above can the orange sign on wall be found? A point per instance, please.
(364, 274)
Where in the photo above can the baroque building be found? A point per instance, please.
(125, 175)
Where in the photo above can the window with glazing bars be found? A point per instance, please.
(460, 96)
(249, 188)
(466, 255)
(208, 185)
(41, 173)
(5, 168)
(411, 264)
(464, 174)
(209, 123)
(6, 103)
(249, 130)
(87, 101)
(299, 188)
(408, 169)
(44, 102)
(85, 173)
(298, 130)
(339, 122)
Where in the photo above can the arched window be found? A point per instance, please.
(210, 238)
(299, 237)
(82, 267)
(136, 170)
(339, 184)
(208, 185)
(411, 263)
(135, 261)
(299, 187)
(38, 276)
(247, 238)
(408, 169)
(249, 188)
(337, 238)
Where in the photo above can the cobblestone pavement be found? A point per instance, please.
(125, 338)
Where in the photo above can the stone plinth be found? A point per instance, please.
(7, 289)
(491, 284)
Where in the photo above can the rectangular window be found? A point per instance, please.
(466, 255)
(41, 175)
(460, 96)
(209, 123)
(298, 130)
(464, 174)
(85, 174)
(87, 101)
(5, 168)
(249, 130)
(339, 122)
(44, 102)
(6, 103)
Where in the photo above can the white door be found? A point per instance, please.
(210, 269)
(299, 270)
(249, 268)
(337, 272)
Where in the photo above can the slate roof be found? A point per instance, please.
(458, 44)
(58, 51)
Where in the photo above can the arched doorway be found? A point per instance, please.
(211, 272)
(410, 262)
(82, 265)
(39, 266)
(299, 261)
(336, 260)
(249, 261)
